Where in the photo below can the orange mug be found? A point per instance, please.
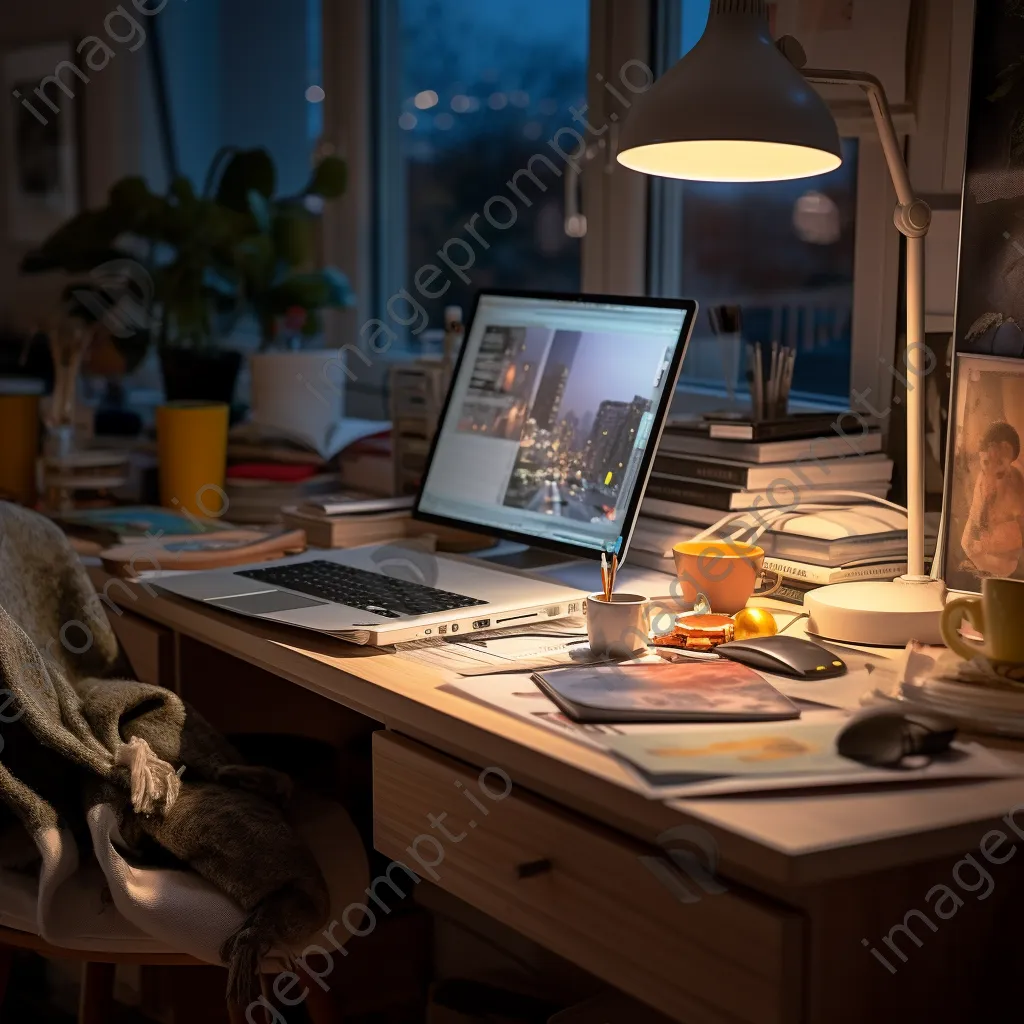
(726, 571)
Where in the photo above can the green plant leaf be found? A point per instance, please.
(84, 242)
(293, 236)
(248, 170)
(259, 207)
(330, 178)
(183, 192)
(318, 289)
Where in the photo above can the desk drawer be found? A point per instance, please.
(584, 891)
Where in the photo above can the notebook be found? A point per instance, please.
(712, 691)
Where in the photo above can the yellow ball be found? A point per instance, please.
(751, 622)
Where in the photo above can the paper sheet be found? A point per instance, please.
(517, 695)
(539, 645)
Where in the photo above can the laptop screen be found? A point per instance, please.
(554, 411)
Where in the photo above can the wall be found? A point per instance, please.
(108, 120)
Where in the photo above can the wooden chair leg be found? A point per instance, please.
(236, 1014)
(96, 1005)
(322, 1006)
(6, 962)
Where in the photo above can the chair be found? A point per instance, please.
(107, 939)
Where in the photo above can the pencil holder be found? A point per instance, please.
(617, 627)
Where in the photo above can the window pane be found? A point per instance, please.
(480, 90)
(782, 251)
(244, 73)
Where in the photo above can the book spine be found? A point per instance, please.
(702, 469)
(687, 492)
(820, 575)
(675, 512)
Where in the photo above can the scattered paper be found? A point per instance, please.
(539, 645)
(517, 695)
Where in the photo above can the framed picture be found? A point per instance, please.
(984, 500)
(40, 149)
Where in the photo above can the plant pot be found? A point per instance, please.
(197, 375)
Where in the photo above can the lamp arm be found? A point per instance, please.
(883, 123)
(912, 218)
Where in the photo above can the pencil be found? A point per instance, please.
(605, 589)
(611, 577)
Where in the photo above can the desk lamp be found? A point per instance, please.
(740, 108)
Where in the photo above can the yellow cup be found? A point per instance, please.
(997, 615)
(19, 445)
(192, 442)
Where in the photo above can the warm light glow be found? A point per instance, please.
(729, 160)
(425, 100)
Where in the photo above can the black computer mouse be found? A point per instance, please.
(885, 737)
(785, 656)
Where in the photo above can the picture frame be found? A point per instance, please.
(982, 526)
(983, 522)
(40, 140)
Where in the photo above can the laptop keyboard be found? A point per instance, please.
(357, 588)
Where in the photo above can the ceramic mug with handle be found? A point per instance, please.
(998, 615)
(726, 571)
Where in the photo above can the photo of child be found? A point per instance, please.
(985, 529)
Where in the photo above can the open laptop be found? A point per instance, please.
(547, 436)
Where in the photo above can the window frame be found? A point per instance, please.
(876, 246)
(618, 246)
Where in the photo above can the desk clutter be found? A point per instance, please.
(799, 487)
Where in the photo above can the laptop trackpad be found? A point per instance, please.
(261, 604)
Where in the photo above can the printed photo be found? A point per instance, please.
(985, 497)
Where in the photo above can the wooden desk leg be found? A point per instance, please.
(96, 1004)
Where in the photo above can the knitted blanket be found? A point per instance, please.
(194, 846)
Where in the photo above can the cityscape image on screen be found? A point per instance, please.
(575, 401)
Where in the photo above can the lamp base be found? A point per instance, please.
(878, 613)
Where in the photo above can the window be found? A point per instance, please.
(470, 191)
(781, 251)
(243, 73)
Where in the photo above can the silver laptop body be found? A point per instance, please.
(547, 437)
(508, 597)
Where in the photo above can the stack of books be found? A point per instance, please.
(257, 491)
(707, 469)
(270, 467)
(417, 398)
(346, 520)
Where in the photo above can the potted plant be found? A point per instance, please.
(208, 260)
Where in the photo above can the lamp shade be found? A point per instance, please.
(732, 109)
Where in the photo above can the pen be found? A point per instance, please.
(605, 588)
(611, 578)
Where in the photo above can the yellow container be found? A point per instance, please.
(192, 443)
(19, 440)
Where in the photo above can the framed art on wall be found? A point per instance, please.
(40, 144)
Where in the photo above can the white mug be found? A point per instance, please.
(618, 627)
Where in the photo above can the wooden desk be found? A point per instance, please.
(806, 885)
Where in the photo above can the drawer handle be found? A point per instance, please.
(532, 868)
